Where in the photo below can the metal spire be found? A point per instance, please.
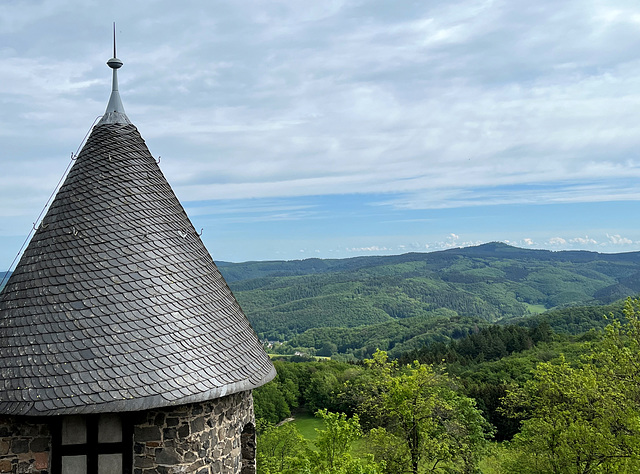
(115, 110)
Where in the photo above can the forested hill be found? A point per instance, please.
(492, 282)
(441, 259)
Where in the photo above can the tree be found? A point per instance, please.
(334, 445)
(281, 450)
(421, 422)
(335, 441)
(273, 401)
(328, 349)
(270, 403)
(584, 418)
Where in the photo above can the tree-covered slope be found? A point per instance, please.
(493, 282)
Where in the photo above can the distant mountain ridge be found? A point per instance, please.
(278, 268)
(492, 282)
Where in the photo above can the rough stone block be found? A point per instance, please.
(169, 433)
(140, 461)
(146, 433)
(5, 465)
(197, 425)
(29, 430)
(183, 431)
(4, 447)
(24, 468)
(195, 466)
(19, 446)
(216, 467)
(39, 445)
(160, 419)
(173, 421)
(41, 460)
(167, 456)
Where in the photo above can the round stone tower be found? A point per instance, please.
(122, 349)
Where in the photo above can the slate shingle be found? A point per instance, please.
(116, 305)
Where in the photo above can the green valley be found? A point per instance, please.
(402, 302)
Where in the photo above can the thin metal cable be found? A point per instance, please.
(55, 190)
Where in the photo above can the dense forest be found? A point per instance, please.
(453, 361)
(477, 404)
(491, 282)
(348, 308)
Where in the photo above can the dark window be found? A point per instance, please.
(92, 444)
(248, 449)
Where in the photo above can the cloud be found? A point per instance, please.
(619, 240)
(586, 240)
(553, 241)
(418, 106)
(433, 101)
(373, 248)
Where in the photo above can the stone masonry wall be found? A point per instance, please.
(200, 438)
(25, 445)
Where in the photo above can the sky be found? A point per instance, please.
(293, 129)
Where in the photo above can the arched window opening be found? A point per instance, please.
(248, 449)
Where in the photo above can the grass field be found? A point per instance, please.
(307, 425)
(535, 308)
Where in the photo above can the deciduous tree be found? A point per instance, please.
(422, 421)
(585, 418)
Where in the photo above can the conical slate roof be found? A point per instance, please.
(116, 305)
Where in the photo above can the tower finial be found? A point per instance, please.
(114, 62)
(115, 109)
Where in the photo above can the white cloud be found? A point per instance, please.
(617, 239)
(373, 248)
(427, 105)
(556, 241)
(431, 100)
(586, 240)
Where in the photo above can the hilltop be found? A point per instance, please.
(493, 282)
